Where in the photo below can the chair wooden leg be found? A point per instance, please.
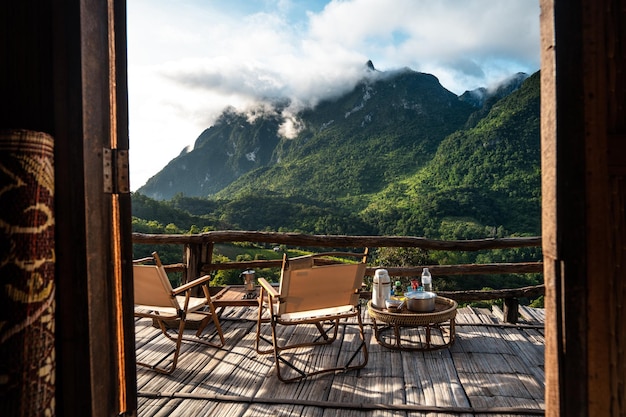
(175, 352)
(212, 315)
(179, 341)
(363, 346)
(259, 327)
(324, 333)
(301, 374)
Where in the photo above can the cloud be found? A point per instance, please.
(291, 126)
(190, 59)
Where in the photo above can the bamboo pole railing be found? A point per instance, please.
(344, 241)
(198, 256)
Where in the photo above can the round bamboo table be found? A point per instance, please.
(421, 340)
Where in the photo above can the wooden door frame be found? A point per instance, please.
(583, 167)
(96, 372)
(63, 73)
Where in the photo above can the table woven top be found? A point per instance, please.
(445, 309)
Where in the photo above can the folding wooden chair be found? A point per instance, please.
(156, 299)
(319, 294)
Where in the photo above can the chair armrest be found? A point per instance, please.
(191, 284)
(143, 260)
(271, 291)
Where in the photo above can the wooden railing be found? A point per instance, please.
(198, 257)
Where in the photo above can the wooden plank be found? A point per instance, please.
(443, 372)
(533, 315)
(391, 378)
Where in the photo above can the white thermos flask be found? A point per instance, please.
(381, 288)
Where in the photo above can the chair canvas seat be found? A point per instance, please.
(320, 313)
(195, 303)
(313, 294)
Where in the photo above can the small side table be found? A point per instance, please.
(234, 296)
(425, 323)
(227, 296)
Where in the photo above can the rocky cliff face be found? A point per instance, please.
(387, 127)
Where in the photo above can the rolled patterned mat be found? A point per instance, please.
(27, 262)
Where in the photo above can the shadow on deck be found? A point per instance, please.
(492, 369)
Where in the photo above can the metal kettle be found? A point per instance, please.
(381, 288)
(248, 279)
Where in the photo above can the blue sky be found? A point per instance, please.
(189, 59)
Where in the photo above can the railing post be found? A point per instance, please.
(196, 256)
(192, 261)
(511, 310)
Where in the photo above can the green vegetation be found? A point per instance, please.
(398, 156)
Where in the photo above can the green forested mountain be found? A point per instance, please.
(483, 181)
(387, 126)
(399, 154)
(382, 131)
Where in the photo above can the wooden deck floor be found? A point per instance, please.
(490, 370)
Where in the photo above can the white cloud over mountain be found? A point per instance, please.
(189, 59)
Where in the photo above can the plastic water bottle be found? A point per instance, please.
(427, 280)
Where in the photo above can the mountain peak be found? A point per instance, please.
(484, 96)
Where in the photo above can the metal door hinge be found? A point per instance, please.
(115, 171)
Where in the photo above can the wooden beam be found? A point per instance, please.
(298, 239)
